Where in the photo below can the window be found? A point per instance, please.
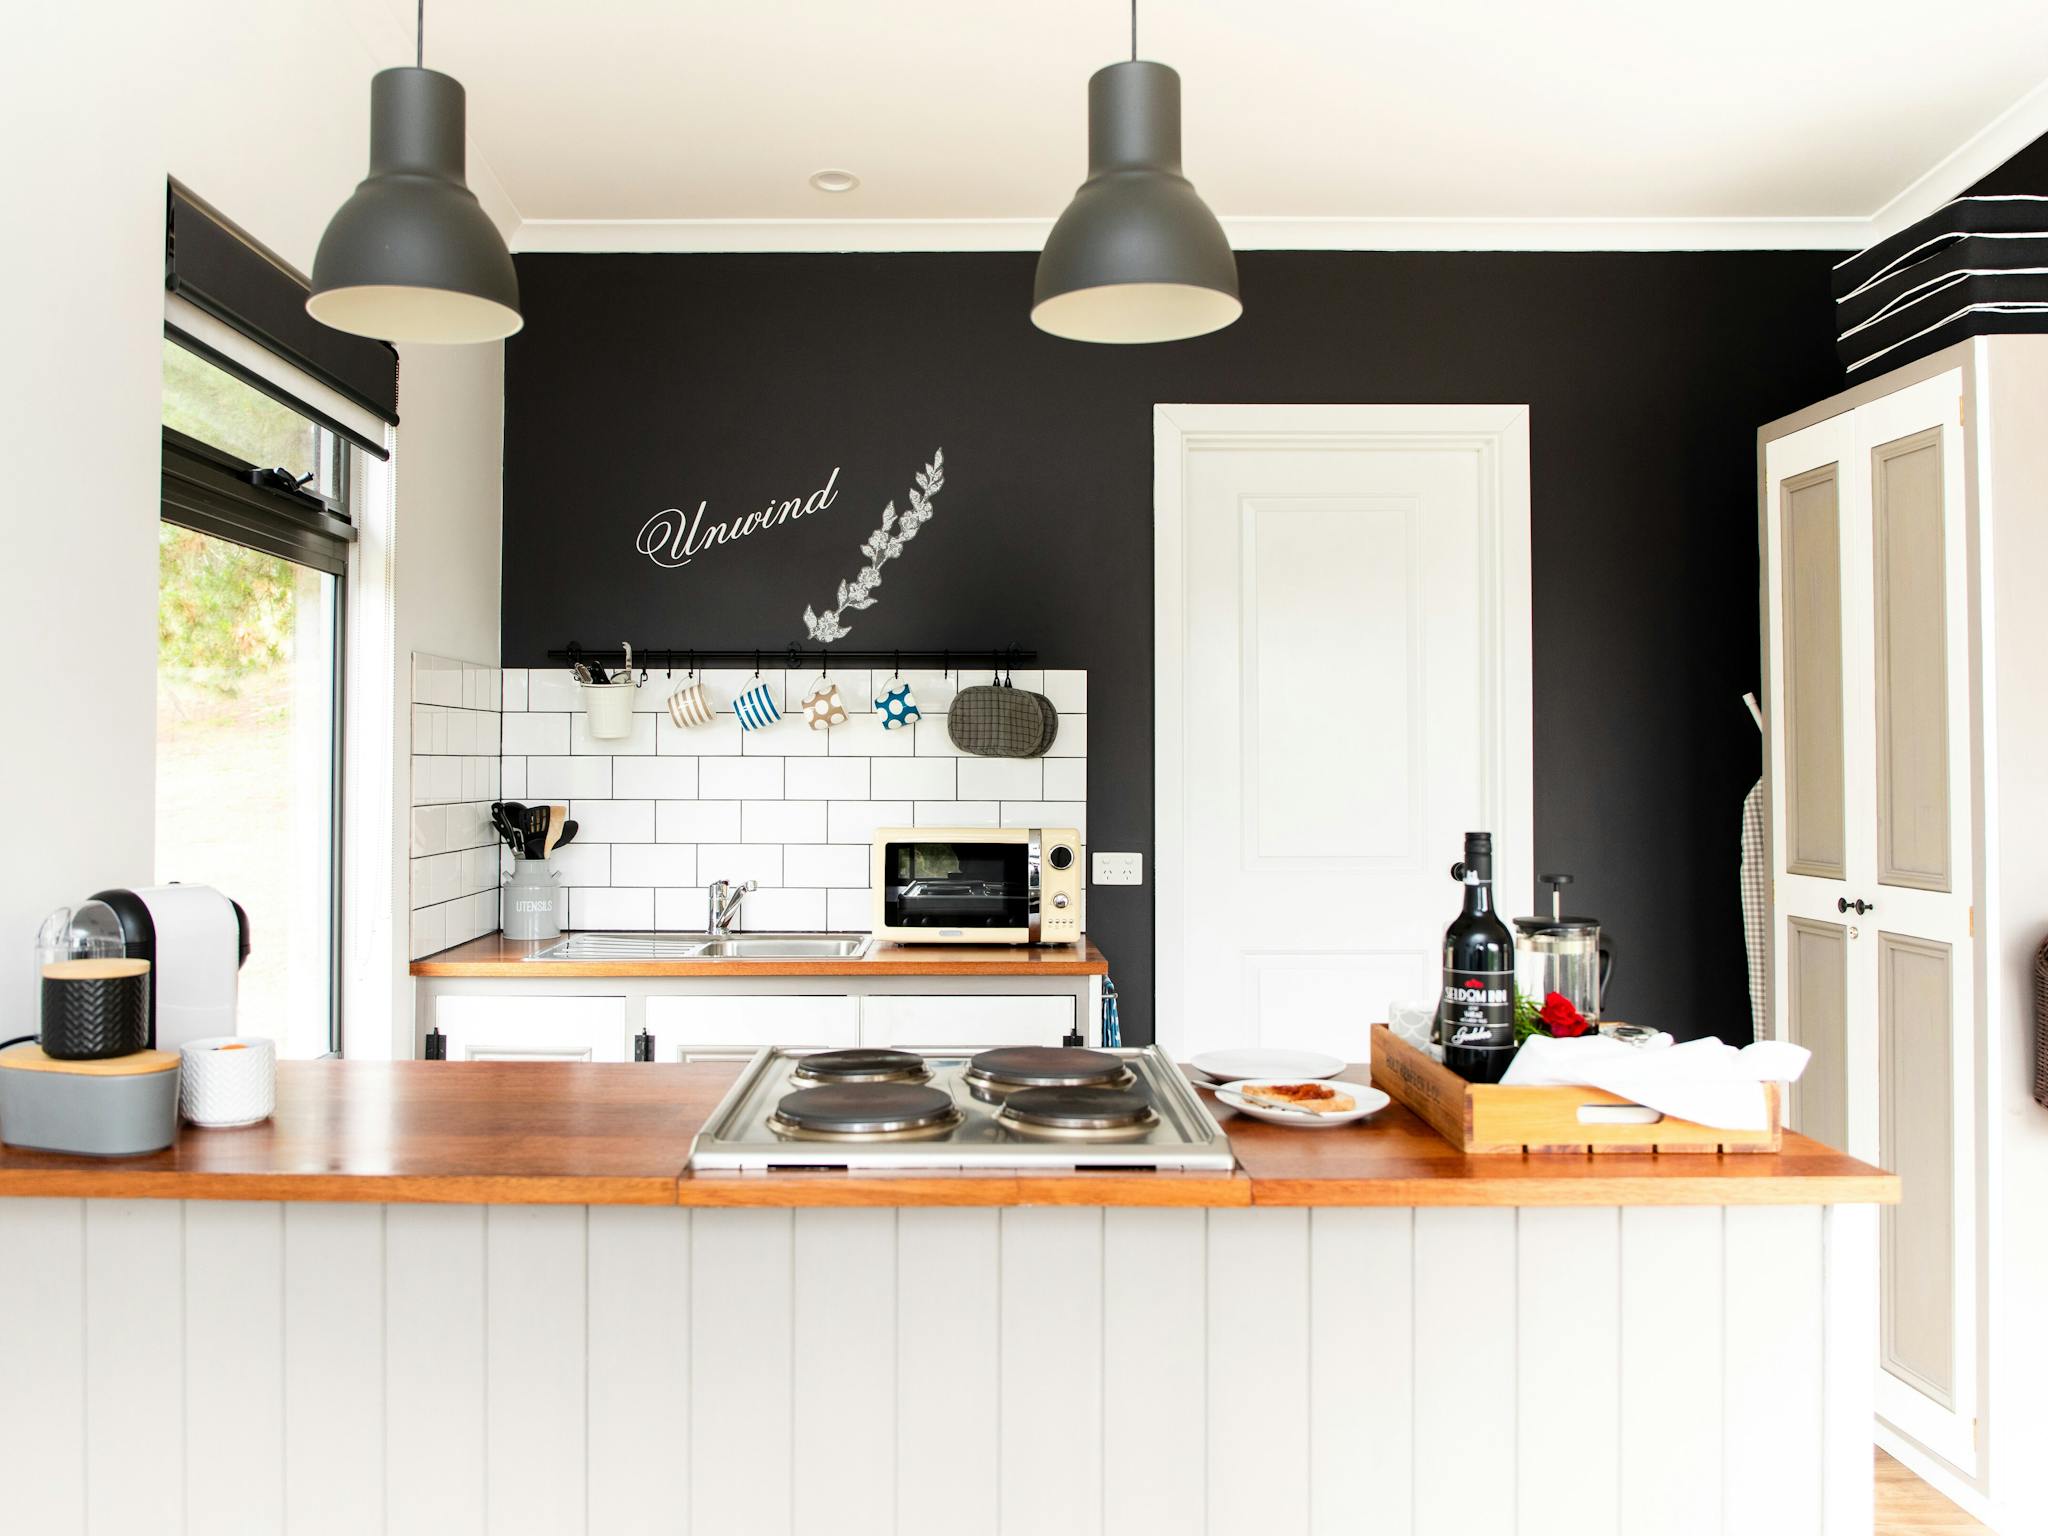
(249, 644)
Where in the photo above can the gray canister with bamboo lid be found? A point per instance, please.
(93, 1010)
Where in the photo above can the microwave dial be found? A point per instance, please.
(1060, 900)
(1061, 857)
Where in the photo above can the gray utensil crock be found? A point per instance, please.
(533, 902)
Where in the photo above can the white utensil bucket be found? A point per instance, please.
(609, 707)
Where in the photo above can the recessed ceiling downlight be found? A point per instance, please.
(834, 181)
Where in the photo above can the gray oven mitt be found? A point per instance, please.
(989, 721)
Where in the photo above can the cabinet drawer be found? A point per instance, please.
(533, 1028)
(968, 1019)
(678, 1023)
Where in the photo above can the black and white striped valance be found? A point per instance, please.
(1975, 267)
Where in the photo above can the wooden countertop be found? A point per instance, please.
(562, 1133)
(496, 955)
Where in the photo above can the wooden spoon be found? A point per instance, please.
(558, 815)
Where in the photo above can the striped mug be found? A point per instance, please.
(756, 707)
(690, 705)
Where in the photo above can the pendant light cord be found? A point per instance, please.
(1134, 28)
(419, 35)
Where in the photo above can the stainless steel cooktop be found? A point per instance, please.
(1013, 1107)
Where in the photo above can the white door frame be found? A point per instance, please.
(1498, 435)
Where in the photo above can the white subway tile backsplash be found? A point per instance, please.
(740, 862)
(553, 688)
(1066, 778)
(787, 737)
(682, 909)
(697, 821)
(566, 778)
(826, 864)
(613, 907)
(826, 778)
(1002, 778)
(536, 735)
(655, 778)
(854, 821)
(638, 741)
(849, 911)
(782, 821)
(863, 736)
(582, 863)
(932, 739)
(914, 778)
(781, 909)
(721, 738)
(429, 830)
(613, 821)
(739, 778)
(1068, 691)
(654, 864)
(957, 813)
(665, 810)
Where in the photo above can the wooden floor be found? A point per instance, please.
(1908, 1507)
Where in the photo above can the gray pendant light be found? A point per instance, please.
(412, 256)
(1137, 256)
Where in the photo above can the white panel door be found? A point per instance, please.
(1343, 642)
(1872, 878)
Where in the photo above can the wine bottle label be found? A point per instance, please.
(1478, 1008)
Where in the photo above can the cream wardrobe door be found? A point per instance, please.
(1812, 483)
(1916, 942)
(1871, 820)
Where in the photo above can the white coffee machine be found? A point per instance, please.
(195, 940)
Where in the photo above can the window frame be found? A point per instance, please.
(212, 492)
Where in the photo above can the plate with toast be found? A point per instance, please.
(1310, 1103)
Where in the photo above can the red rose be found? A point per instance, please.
(1561, 1019)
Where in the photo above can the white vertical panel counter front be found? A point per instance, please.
(201, 1368)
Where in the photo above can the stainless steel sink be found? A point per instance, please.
(688, 946)
(784, 946)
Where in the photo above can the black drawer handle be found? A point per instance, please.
(1859, 907)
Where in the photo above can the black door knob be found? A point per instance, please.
(1859, 906)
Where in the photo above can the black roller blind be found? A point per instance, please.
(212, 264)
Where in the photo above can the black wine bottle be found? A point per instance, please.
(1476, 1016)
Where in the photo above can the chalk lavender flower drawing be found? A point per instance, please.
(882, 546)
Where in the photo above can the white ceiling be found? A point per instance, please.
(693, 124)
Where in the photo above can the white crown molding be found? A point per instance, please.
(1975, 158)
(1246, 234)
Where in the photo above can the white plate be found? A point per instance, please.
(1370, 1102)
(1266, 1066)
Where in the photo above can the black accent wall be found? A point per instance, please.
(647, 381)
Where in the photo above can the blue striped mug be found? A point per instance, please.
(756, 707)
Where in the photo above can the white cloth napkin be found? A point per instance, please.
(1706, 1081)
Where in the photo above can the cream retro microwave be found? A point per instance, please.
(977, 885)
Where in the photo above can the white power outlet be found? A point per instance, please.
(1119, 869)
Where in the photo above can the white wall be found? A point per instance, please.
(99, 104)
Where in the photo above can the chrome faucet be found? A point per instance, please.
(723, 900)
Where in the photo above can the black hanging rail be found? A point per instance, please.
(794, 657)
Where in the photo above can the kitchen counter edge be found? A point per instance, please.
(540, 1133)
(494, 955)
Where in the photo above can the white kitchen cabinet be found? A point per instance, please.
(690, 1028)
(500, 1028)
(1903, 544)
(966, 1019)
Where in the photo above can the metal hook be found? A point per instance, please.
(693, 663)
(757, 663)
(899, 663)
(947, 675)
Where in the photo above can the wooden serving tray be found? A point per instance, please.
(1491, 1117)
